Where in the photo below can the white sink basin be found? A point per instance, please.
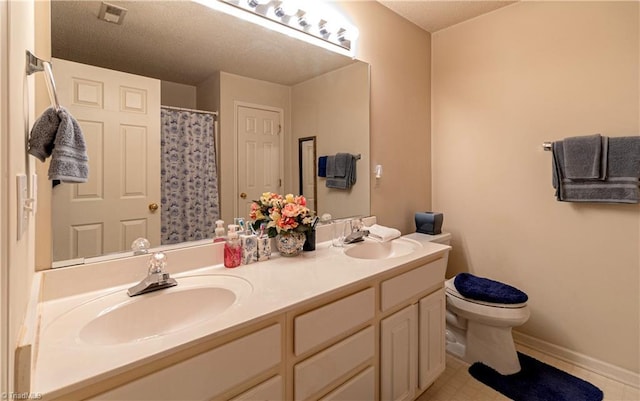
(116, 318)
(382, 250)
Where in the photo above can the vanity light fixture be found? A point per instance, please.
(312, 21)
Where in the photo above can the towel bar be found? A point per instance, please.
(547, 146)
(36, 64)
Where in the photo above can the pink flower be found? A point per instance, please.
(282, 214)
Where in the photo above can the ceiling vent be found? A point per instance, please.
(110, 13)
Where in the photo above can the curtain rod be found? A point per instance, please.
(215, 113)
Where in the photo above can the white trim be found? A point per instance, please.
(4, 214)
(595, 365)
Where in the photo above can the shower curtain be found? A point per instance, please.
(189, 176)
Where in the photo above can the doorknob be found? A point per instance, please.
(243, 195)
(153, 207)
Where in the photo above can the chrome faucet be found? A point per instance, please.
(357, 232)
(157, 278)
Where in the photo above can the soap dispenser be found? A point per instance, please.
(219, 231)
(232, 248)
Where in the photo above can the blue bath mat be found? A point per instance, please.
(537, 381)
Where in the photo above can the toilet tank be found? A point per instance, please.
(444, 238)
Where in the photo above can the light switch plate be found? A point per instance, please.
(34, 193)
(23, 195)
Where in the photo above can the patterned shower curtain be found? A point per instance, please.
(189, 176)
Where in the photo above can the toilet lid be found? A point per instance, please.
(451, 290)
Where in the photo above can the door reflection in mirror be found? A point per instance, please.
(307, 170)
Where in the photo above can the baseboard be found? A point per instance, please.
(586, 362)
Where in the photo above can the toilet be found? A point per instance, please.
(479, 323)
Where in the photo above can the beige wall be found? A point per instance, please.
(208, 94)
(399, 54)
(503, 84)
(334, 107)
(177, 95)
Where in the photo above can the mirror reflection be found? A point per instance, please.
(245, 96)
(307, 170)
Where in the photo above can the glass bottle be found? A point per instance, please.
(232, 248)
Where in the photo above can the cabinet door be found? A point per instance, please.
(431, 343)
(399, 355)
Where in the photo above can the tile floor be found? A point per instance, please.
(456, 384)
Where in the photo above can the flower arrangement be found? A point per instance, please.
(281, 214)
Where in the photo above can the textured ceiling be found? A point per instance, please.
(186, 42)
(432, 15)
(182, 41)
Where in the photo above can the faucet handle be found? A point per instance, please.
(357, 224)
(140, 246)
(157, 263)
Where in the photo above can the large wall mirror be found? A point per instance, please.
(203, 61)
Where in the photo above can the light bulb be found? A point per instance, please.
(256, 3)
(286, 8)
(326, 28)
(308, 20)
(344, 35)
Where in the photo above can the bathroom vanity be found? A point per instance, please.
(332, 324)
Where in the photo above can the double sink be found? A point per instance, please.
(115, 318)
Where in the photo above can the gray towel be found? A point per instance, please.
(337, 183)
(43, 134)
(349, 178)
(585, 157)
(342, 161)
(622, 184)
(331, 166)
(69, 161)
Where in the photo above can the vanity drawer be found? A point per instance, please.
(269, 390)
(208, 374)
(318, 371)
(412, 283)
(322, 324)
(361, 387)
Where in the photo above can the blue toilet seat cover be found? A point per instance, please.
(486, 290)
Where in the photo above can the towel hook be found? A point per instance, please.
(36, 64)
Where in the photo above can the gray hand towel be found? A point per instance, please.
(43, 134)
(331, 166)
(342, 161)
(623, 175)
(624, 157)
(69, 161)
(337, 183)
(584, 157)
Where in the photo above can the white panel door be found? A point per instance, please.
(119, 115)
(399, 355)
(431, 340)
(258, 133)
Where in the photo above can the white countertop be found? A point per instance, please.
(65, 363)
